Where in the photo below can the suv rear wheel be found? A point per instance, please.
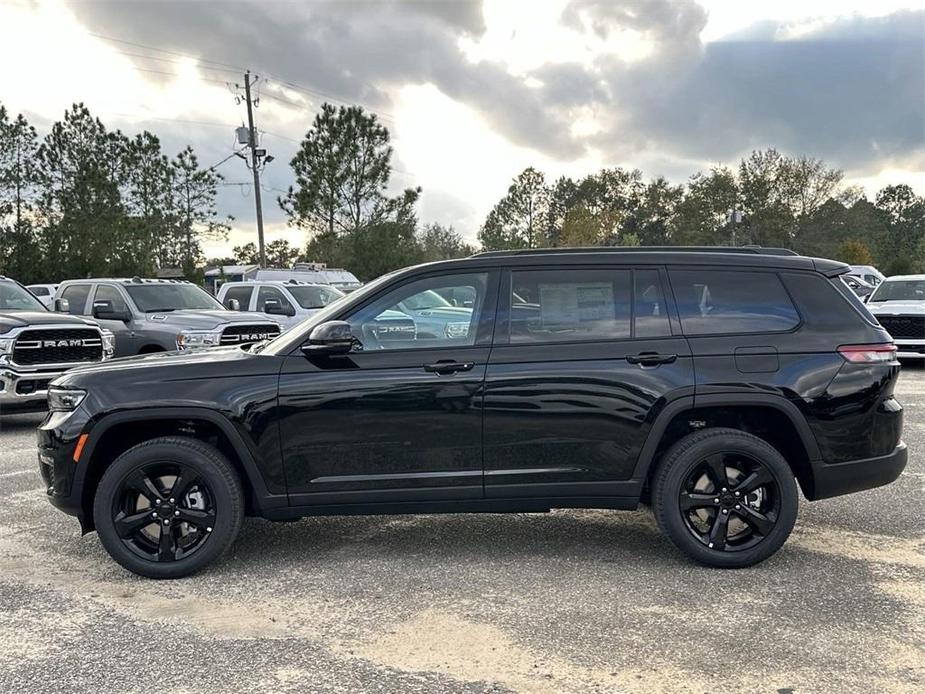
(726, 498)
(168, 507)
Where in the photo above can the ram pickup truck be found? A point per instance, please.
(37, 345)
(150, 315)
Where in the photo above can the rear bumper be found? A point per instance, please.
(857, 475)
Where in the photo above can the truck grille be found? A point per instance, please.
(57, 346)
(904, 327)
(246, 334)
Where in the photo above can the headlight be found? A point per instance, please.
(109, 344)
(193, 339)
(456, 330)
(6, 345)
(65, 399)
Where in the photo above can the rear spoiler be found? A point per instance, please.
(830, 268)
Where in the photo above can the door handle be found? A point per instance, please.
(651, 358)
(449, 367)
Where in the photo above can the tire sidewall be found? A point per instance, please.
(226, 498)
(684, 456)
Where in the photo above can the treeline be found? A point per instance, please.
(87, 201)
(770, 200)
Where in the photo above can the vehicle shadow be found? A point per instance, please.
(20, 421)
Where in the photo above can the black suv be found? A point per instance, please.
(707, 383)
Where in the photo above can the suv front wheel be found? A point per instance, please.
(168, 507)
(726, 498)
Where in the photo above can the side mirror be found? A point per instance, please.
(333, 337)
(62, 306)
(233, 305)
(275, 308)
(104, 311)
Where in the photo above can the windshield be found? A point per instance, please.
(171, 297)
(15, 298)
(425, 300)
(899, 290)
(294, 336)
(310, 296)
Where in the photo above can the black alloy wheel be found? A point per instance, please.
(168, 507)
(725, 497)
(164, 511)
(730, 501)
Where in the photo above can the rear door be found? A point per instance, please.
(584, 361)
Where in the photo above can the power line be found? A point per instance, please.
(236, 68)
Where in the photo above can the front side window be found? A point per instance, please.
(416, 316)
(38, 291)
(76, 295)
(242, 294)
(715, 302)
(106, 293)
(163, 298)
(570, 305)
(15, 298)
(313, 296)
(265, 294)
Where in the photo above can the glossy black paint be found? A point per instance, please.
(520, 427)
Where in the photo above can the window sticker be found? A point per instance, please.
(569, 306)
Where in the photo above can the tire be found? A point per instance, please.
(701, 486)
(136, 494)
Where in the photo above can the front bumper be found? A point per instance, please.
(910, 349)
(24, 389)
(857, 475)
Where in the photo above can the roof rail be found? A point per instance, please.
(757, 250)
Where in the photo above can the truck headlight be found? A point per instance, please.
(109, 344)
(6, 345)
(195, 339)
(65, 399)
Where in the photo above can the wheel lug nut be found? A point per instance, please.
(724, 513)
(157, 503)
(737, 506)
(710, 545)
(724, 489)
(208, 530)
(715, 501)
(166, 522)
(737, 493)
(177, 513)
(172, 501)
(154, 515)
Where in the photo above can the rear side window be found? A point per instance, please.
(715, 302)
(570, 306)
(242, 294)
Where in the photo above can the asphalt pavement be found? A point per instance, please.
(571, 601)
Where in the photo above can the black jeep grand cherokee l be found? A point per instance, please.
(705, 382)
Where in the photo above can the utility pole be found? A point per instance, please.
(255, 166)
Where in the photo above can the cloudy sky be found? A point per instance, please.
(473, 91)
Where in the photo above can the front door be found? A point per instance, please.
(126, 339)
(584, 360)
(399, 418)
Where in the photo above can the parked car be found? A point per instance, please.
(37, 345)
(861, 288)
(868, 273)
(288, 302)
(707, 383)
(44, 293)
(899, 305)
(151, 315)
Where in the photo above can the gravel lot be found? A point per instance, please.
(572, 601)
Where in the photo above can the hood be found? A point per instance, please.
(205, 320)
(23, 319)
(916, 308)
(160, 360)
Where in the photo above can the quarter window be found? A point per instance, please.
(570, 306)
(724, 302)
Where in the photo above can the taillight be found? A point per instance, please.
(869, 354)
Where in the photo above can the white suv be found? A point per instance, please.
(288, 302)
(898, 303)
